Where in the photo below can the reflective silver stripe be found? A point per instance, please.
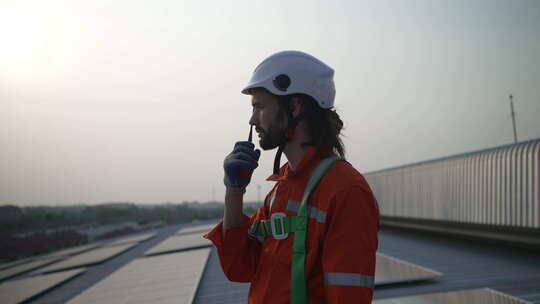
(313, 212)
(349, 279)
(272, 197)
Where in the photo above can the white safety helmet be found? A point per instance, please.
(294, 72)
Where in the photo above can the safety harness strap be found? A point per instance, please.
(282, 225)
(298, 275)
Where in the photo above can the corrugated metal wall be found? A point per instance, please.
(498, 186)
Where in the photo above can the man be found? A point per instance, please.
(314, 239)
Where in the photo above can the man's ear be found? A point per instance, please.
(297, 106)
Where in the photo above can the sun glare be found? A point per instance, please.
(20, 35)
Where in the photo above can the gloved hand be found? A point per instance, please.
(239, 165)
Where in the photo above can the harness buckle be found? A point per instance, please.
(277, 226)
(254, 227)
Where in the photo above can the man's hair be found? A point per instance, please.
(324, 125)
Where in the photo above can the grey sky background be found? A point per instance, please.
(140, 101)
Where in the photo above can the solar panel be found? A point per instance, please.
(18, 291)
(389, 270)
(164, 279)
(197, 229)
(476, 296)
(215, 288)
(72, 250)
(95, 256)
(133, 239)
(179, 243)
(15, 263)
(22, 268)
(55, 254)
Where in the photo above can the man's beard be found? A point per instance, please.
(272, 138)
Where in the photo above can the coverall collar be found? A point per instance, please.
(308, 161)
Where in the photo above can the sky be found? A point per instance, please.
(139, 101)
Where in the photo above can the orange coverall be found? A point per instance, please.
(341, 238)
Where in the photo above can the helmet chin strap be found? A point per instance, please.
(289, 134)
(277, 159)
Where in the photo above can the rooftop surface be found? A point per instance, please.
(464, 265)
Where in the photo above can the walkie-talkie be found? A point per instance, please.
(246, 172)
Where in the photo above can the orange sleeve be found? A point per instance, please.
(350, 247)
(238, 252)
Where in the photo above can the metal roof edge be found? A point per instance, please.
(455, 156)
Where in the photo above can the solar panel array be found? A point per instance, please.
(132, 239)
(25, 267)
(73, 250)
(215, 288)
(476, 296)
(389, 270)
(176, 277)
(15, 263)
(56, 254)
(95, 256)
(197, 229)
(28, 264)
(18, 291)
(179, 243)
(164, 279)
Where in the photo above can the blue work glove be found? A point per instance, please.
(239, 165)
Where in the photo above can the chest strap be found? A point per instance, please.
(278, 226)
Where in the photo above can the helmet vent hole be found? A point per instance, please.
(282, 82)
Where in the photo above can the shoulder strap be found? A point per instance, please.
(298, 276)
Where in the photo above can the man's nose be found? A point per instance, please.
(253, 119)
